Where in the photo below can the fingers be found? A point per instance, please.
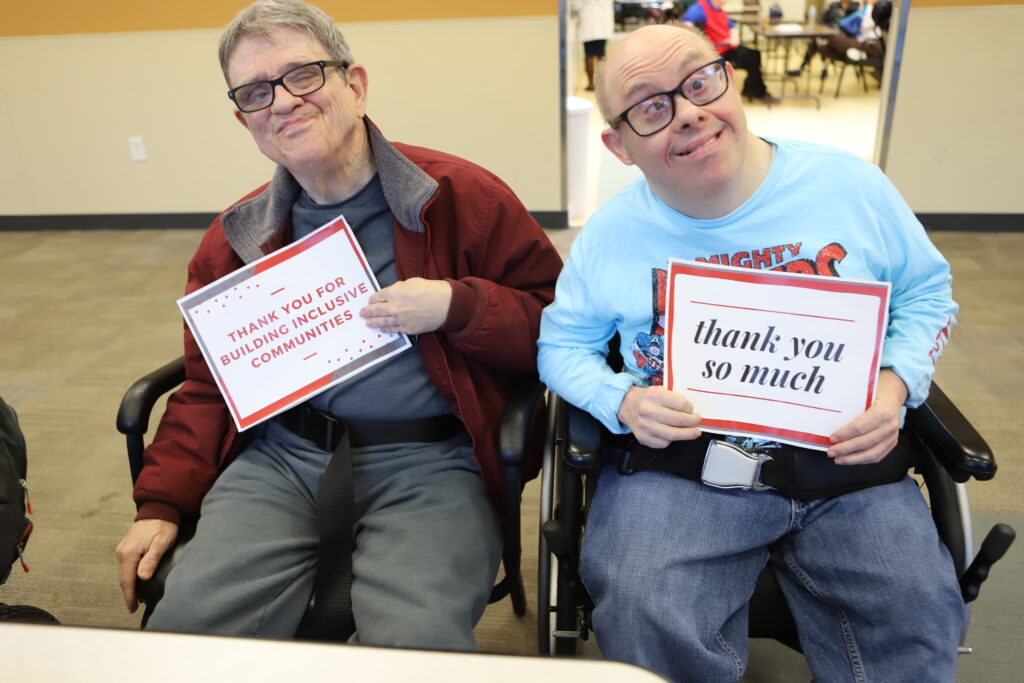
(127, 563)
(162, 540)
(871, 454)
(139, 553)
(662, 397)
(657, 416)
(379, 315)
(867, 439)
(377, 312)
(655, 435)
(382, 321)
(411, 306)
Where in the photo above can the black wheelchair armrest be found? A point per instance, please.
(521, 427)
(957, 445)
(137, 404)
(584, 439)
(138, 401)
(518, 423)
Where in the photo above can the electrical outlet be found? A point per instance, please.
(138, 149)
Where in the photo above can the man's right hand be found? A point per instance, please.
(657, 416)
(139, 553)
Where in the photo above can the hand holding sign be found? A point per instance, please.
(777, 355)
(412, 306)
(284, 328)
(657, 416)
(873, 433)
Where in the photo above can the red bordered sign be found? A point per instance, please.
(784, 356)
(286, 327)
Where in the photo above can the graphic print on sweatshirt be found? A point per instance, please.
(649, 347)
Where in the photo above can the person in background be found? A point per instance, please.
(596, 26)
(464, 270)
(858, 41)
(671, 561)
(722, 33)
(838, 10)
(860, 36)
(833, 14)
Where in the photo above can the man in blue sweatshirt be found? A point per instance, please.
(669, 560)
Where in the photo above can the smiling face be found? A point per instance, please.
(317, 137)
(704, 163)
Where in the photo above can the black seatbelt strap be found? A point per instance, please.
(332, 607)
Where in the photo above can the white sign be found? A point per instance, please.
(784, 356)
(286, 327)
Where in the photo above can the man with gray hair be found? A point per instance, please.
(464, 270)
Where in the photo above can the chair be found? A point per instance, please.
(875, 63)
(947, 450)
(520, 424)
(881, 13)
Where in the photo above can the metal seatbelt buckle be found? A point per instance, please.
(729, 467)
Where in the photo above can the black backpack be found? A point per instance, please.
(15, 526)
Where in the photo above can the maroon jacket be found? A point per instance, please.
(453, 221)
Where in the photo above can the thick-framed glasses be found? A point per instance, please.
(299, 81)
(654, 113)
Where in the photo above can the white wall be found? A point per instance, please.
(485, 89)
(956, 141)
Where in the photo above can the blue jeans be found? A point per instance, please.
(671, 565)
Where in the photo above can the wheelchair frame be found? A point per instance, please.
(525, 407)
(948, 451)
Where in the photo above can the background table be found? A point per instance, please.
(787, 32)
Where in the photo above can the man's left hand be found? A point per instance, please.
(412, 306)
(872, 434)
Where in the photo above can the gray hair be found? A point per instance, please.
(263, 16)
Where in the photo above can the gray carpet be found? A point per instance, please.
(85, 313)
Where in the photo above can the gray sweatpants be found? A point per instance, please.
(427, 545)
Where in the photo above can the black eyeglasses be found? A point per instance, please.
(654, 113)
(299, 81)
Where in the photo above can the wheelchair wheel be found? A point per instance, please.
(546, 578)
(558, 627)
(26, 614)
(558, 619)
(563, 618)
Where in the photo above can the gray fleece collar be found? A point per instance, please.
(407, 189)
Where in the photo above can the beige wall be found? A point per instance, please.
(55, 17)
(484, 88)
(956, 142)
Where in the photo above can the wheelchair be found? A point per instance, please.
(947, 451)
(518, 451)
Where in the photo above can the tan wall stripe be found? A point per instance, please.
(928, 4)
(61, 17)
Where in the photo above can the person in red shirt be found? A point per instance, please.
(464, 270)
(724, 36)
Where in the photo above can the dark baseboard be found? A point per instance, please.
(108, 221)
(973, 222)
(551, 219)
(165, 221)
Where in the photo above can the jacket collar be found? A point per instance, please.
(251, 224)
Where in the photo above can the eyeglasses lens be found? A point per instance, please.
(299, 81)
(701, 87)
